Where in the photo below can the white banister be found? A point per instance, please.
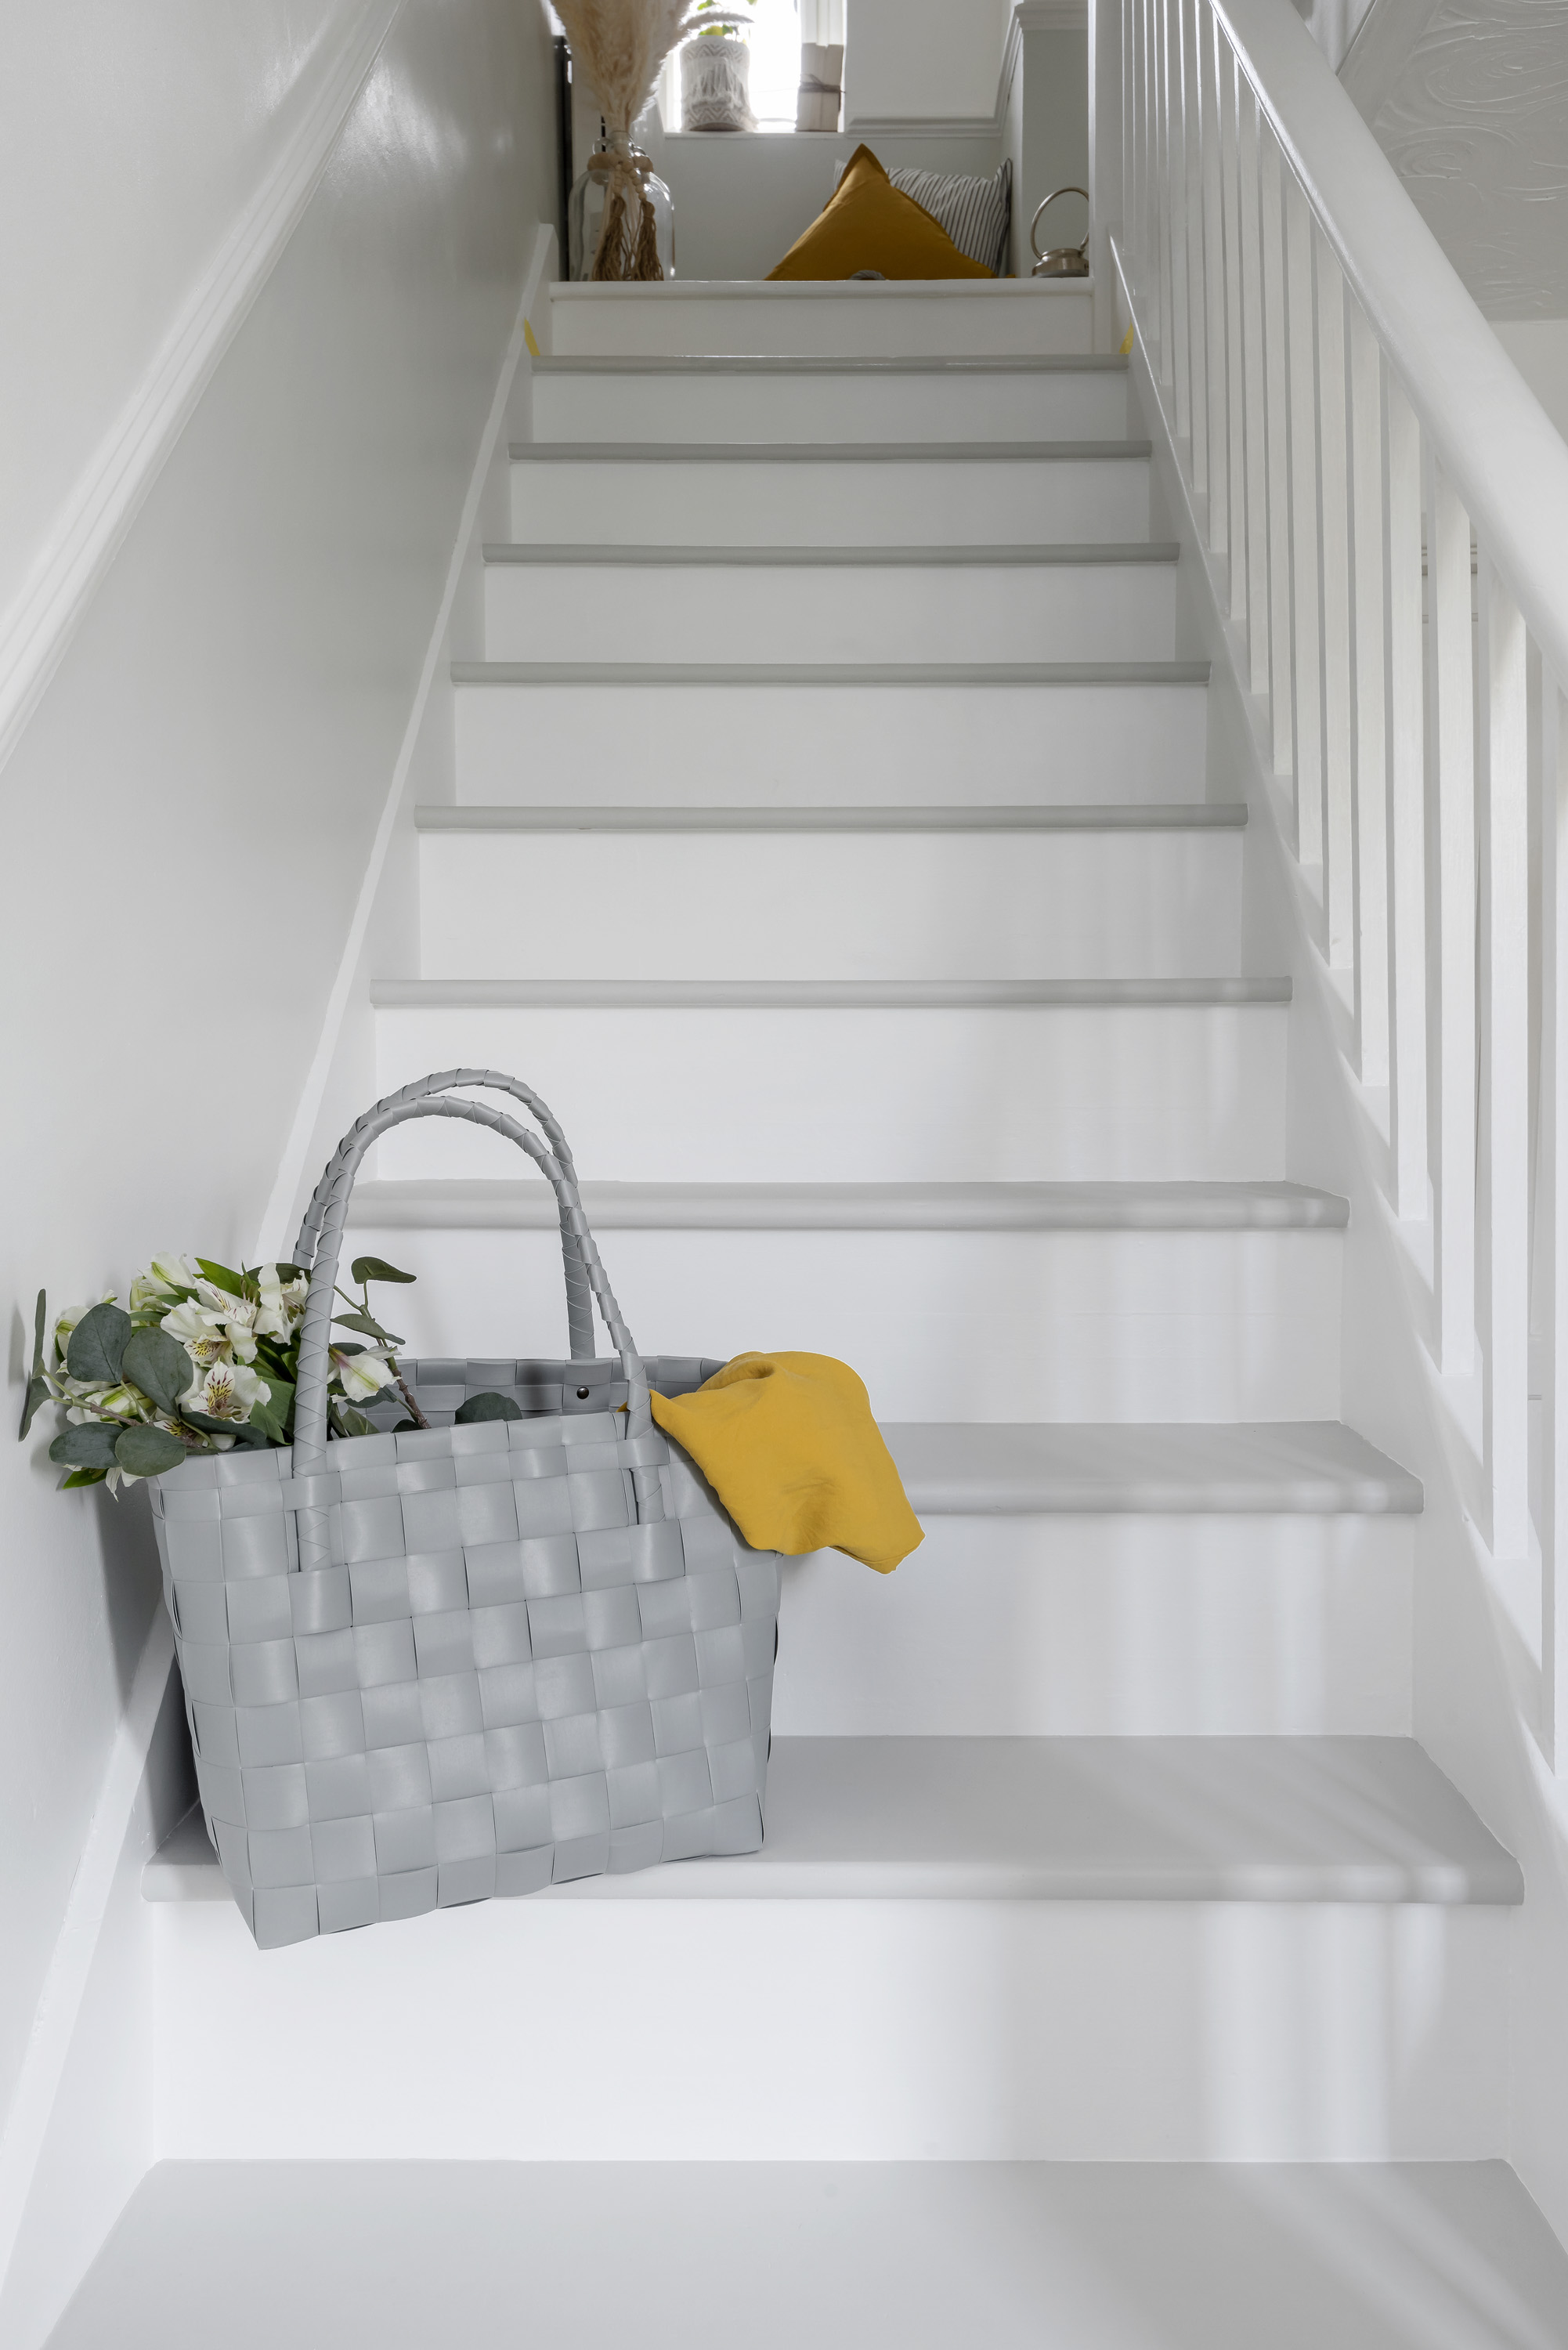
(1385, 510)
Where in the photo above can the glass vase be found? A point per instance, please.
(585, 208)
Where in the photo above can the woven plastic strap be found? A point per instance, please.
(310, 1408)
(579, 1293)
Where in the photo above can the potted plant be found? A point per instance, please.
(716, 71)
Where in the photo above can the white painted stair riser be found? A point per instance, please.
(687, 2029)
(800, 612)
(866, 404)
(951, 319)
(1051, 1325)
(757, 499)
(1130, 905)
(1162, 1093)
(886, 744)
(1105, 1626)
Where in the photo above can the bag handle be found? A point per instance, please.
(310, 1407)
(579, 1293)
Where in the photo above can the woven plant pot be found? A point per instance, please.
(715, 83)
(423, 1668)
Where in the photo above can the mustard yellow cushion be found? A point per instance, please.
(868, 224)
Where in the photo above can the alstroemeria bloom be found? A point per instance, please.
(361, 1375)
(200, 1332)
(119, 1403)
(282, 1307)
(166, 1275)
(238, 1316)
(227, 1392)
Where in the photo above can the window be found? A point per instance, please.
(777, 29)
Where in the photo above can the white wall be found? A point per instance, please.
(186, 820)
(922, 57)
(1539, 349)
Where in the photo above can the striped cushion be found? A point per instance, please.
(974, 212)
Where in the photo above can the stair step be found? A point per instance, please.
(860, 733)
(530, 1206)
(852, 902)
(1064, 1819)
(718, 399)
(738, 1081)
(867, 606)
(923, 319)
(845, 494)
(1198, 816)
(1311, 1467)
(1078, 554)
(1020, 2256)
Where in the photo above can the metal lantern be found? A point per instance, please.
(1059, 260)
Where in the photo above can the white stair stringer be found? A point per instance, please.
(871, 399)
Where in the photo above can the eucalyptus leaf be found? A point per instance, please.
(159, 1365)
(371, 1327)
(37, 1395)
(40, 1316)
(83, 1477)
(375, 1268)
(90, 1446)
(354, 1423)
(96, 1346)
(489, 1406)
(147, 1451)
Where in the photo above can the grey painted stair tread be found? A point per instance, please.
(458, 1204)
(1000, 363)
(1200, 816)
(1134, 552)
(1300, 1468)
(1015, 2256)
(901, 673)
(1073, 1819)
(826, 994)
(823, 453)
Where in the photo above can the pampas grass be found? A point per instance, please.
(620, 45)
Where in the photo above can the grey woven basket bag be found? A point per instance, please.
(423, 1668)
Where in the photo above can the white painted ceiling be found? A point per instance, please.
(1476, 124)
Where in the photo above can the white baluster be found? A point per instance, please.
(1408, 809)
(1505, 979)
(1189, 15)
(1257, 454)
(1235, 378)
(1451, 779)
(1215, 365)
(1334, 526)
(1551, 1224)
(1276, 417)
(1367, 596)
(1306, 667)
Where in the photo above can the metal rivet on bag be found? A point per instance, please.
(582, 1395)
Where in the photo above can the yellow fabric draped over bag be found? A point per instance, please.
(789, 1445)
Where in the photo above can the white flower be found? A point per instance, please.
(282, 1307)
(167, 1274)
(227, 1391)
(199, 1331)
(364, 1374)
(119, 1403)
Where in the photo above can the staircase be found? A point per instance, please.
(838, 845)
